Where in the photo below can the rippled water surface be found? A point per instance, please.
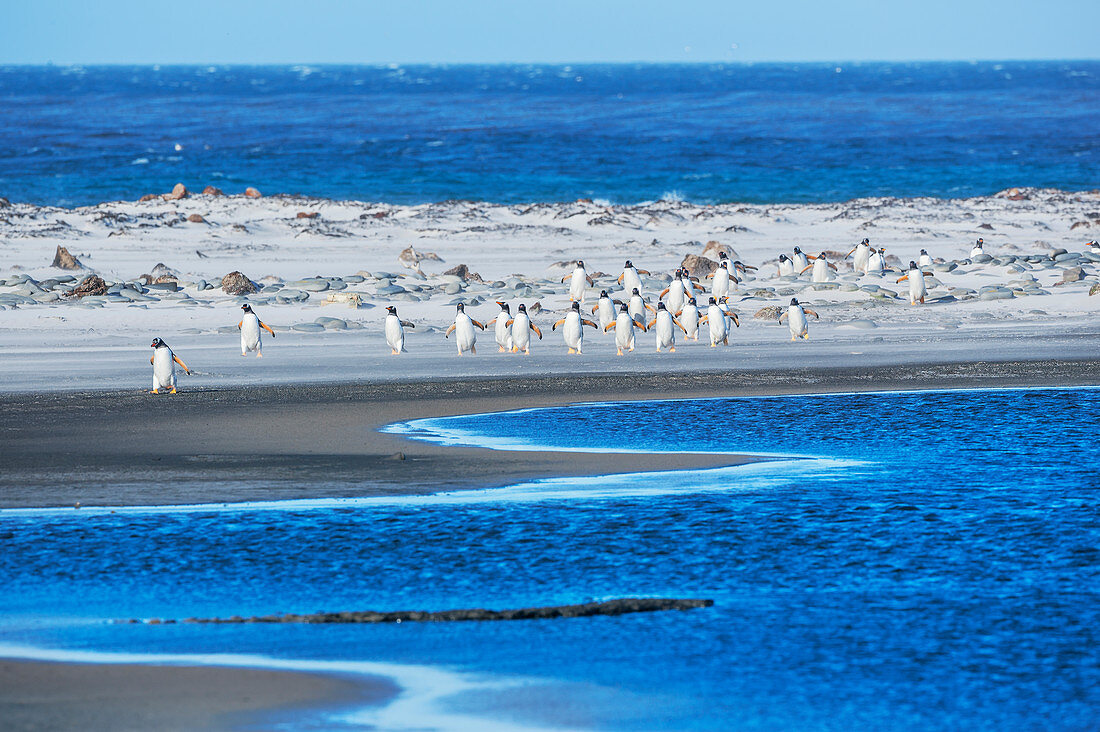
(940, 569)
(626, 133)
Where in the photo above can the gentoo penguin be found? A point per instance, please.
(250, 331)
(800, 260)
(925, 258)
(629, 279)
(624, 329)
(463, 328)
(395, 331)
(1093, 247)
(503, 331)
(573, 328)
(724, 303)
(796, 319)
(861, 252)
(164, 366)
(606, 308)
(820, 269)
(917, 287)
(786, 265)
(876, 262)
(521, 331)
(716, 318)
(977, 248)
(664, 325)
(741, 268)
(720, 286)
(675, 295)
(689, 319)
(637, 306)
(577, 281)
(691, 284)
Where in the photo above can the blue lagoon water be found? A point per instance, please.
(929, 561)
(625, 133)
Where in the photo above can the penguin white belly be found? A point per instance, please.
(716, 318)
(675, 297)
(395, 333)
(786, 267)
(689, 318)
(164, 369)
(631, 281)
(925, 260)
(821, 271)
(797, 321)
(464, 334)
(503, 332)
(917, 288)
(250, 333)
(573, 332)
(975, 252)
(607, 314)
(624, 332)
(576, 286)
(636, 308)
(875, 264)
(665, 336)
(859, 260)
(720, 287)
(800, 262)
(521, 332)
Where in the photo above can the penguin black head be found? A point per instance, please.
(247, 308)
(622, 308)
(692, 301)
(797, 250)
(603, 294)
(923, 252)
(783, 257)
(576, 306)
(635, 291)
(628, 264)
(912, 264)
(522, 308)
(461, 307)
(392, 310)
(713, 301)
(580, 264)
(503, 306)
(865, 241)
(980, 242)
(794, 301)
(724, 264)
(661, 306)
(722, 256)
(157, 343)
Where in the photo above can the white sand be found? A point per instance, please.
(67, 345)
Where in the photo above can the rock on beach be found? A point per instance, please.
(235, 283)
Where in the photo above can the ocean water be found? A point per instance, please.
(903, 561)
(624, 133)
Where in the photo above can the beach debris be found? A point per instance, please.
(251, 192)
(769, 312)
(196, 219)
(212, 191)
(1095, 289)
(235, 283)
(353, 299)
(464, 272)
(397, 456)
(698, 266)
(1080, 225)
(307, 215)
(411, 259)
(90, 285)
(201, 255)
(63, 260)
(1073, 274)
(178, 191)
(535, 309)
(149, 197)
(621, 606)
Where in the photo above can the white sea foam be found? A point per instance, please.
(420, 705)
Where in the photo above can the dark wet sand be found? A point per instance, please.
(309, 441)
(38, 695)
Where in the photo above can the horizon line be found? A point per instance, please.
(391, 64)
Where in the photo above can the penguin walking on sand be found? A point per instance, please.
(502, 330)
(925, 258)
(742, 269)
(624, 329)
(722, 277)
(820, 269)
(716, 319)
(637, 305)
(629, 279)
(675, 295)
(796, 320)
(521, 331)
(164, 367)
(664, 325)
(917, 286)
(977, 248)
(572, 328)
(605, 306)
(463, 328)
(691, 284)
(395, 331)
(577, 282)
(786, 265)
(800, 259)
(249, 327)
(861, 252)
(1093, 247)
(876, 262)
(689, 319)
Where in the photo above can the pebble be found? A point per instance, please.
(999, 293)
(308, 327)
(389, 289)
(291, 296)
(331, 323)
(309, 285)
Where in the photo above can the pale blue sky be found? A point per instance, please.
(559, 31)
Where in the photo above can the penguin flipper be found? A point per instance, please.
(408, 324)
(449, 331)
(595, 308)
(182, 364)
(587, 322)
(509, 323)
(267, 327)
(491, 321)
(608, 327)
(150, 360)
(679, 325)
(479, 325)
(811, 312)
(782, 316)
(902, 278)
(555, 325)
(536, 329)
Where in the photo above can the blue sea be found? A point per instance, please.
(901, 561)
(623, 133)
